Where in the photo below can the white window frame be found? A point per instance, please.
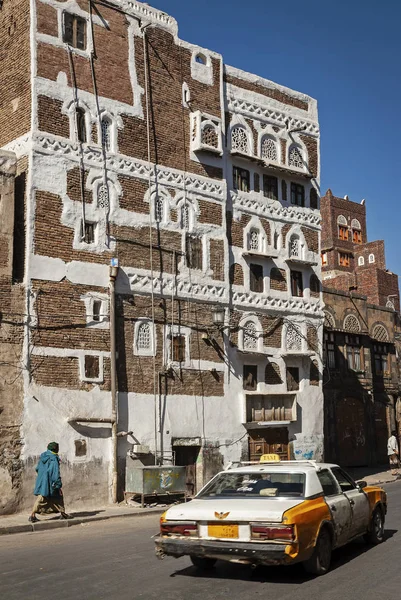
(202, 72)
(175, 330)
(89, 300)
(278, 149)
(372, 259)
(100, 378)
(153, 338)
(259, 342)
(361, 261)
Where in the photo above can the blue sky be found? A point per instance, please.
(347, 55)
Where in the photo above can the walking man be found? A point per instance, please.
(48, 487)
(393, 453)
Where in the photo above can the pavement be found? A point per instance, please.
(18, 523)
(115, 559)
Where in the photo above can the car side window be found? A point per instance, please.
(346, 484)
(328, 483)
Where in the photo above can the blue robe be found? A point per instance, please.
(48, 480)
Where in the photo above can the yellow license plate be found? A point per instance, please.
(223, 531)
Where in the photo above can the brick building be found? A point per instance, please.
(361, 337)
(202, 181)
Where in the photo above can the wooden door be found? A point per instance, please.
(352, 449)
(272, 440)
(186, 456)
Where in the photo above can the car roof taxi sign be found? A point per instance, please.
(267, 458)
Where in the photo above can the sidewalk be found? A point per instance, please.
(18, 523)
(372, 475)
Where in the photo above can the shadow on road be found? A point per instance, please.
(292, 574)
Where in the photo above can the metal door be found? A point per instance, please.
(186, 456)
(358, 501)
(268, 441)
(352, 450)
(338, 504)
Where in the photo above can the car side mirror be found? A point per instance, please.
(362, 484)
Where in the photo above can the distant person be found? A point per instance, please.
(393, 453)
(48, 486)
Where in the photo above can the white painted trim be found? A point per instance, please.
(153, 338)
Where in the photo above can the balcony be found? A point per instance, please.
(206, 134)
(264, 410)
(268, 253)
(285, 170)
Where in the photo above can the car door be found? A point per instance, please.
(338, 504)
(358, 500)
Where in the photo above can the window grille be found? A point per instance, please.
(185, 216)
(355, 224)
(269, 149)
(380, 333)
(270, 187)
(103, 196)
(297, 194)
(74, 31)
(250, 338)
(329, 322)
(210, 137)
(295, 247)
(81, 125)
(159, 209)
(106, 134)
(293, 339)
(239, 140)
(253, 240)
(144, 338)
(352, 324)
(341, 220)
(295, 158)
(88, 232)
(241, 179)
(256, 278)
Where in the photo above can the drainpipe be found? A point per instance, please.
(113, 272)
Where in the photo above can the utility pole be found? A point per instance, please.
(113, 272)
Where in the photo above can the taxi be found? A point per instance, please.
(274, 513)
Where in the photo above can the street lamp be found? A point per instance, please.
(218, 314)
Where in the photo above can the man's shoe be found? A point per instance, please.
(65, 516)
(33, 519)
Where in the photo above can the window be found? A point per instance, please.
(92, 365)
(313, 198)
(239, 140)
(295, 158)
(353, 351)
(178, 348)
(81, 125)
(293, 339)
(103, 196)
(329, 351)
(250, 336)
(241, 179)
(284, 190)
(381, 360)
(352, 324)
(297, 194)
(345, 482)
(328, 483)
(314, 285)
(256, 182)
(292, 379)
(361, 261)
(371, 258)
(194, 252)
(106, 134)
(144, 337)
(343, 232)
(201, 59)
(209, 136)
(159, 209)
(275, 240)
(324, 258)
(88, 232)
(295, 247)
(379, 333)
(341, 220)
(297, 288)
(270, 187)
(344, 259)
(357, 236)
(256, 278)
(269, 149)
(80, 448)
(250, 381)
(254, 240)
(74, 31)
(96, 310)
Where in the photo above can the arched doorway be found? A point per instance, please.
(352, 447)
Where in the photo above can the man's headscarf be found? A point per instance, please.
(53, 447)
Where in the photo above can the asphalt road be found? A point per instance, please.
(115, 560)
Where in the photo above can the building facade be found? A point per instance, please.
(199, 183)
(361, 338)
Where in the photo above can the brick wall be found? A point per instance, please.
(217, 259)
(51, 118)
(272, 374)
(236, 274)
(266, 91)
(311, 238)
(210, 212)
(278, 279)
(311, 145)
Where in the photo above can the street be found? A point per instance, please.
(115, 559)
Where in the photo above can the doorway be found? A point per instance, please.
(186, 456)
(272, 440)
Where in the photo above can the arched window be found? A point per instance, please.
(209, 136)
(201, 59)
(293, 339)
(185, 216)
(356, 231)
(239, 140)
(144, 338)
(371, 258)
(295, 247)
(81, 125)
(329, 322)
(355, 224)
(379, 333)
(254, 240)
(314, 285)
(361, 261)
(159, 209)
(250, 336)
(295, 158)
(103, 196)
(341, 220)
(106, 134)
(352, 324)
(269, 149)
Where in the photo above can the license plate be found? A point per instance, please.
(223, 531)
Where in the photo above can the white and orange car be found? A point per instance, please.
(274, 513)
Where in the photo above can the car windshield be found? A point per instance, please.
(255, 485)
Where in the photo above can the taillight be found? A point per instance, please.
(179, 528)
(272, 532)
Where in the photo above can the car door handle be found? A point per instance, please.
(352, 502)
(333, 507)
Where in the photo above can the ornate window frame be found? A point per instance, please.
(169, 332)
(150, 197)
(295, 331)
(380, 333)
(89, 298)
(258, 333)
(198, 122)
(70, 109)
(268, 136)
(255, 224)
(238, 121)
(151, 351)
(303, 154)
(353, 328)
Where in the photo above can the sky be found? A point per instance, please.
(347, 55)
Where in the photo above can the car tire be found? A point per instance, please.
(375, 534)
(203, 564)
(319, 562)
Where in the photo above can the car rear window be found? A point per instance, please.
(255, 485)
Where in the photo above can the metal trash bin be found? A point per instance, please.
(154, 480)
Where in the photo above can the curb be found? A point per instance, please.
(48, 525)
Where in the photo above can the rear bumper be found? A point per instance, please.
(246, 552)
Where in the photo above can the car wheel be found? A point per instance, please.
(375, 534)
(203, 564)
(319, 562)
